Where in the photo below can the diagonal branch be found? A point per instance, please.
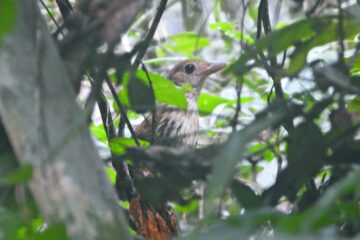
(150, 35)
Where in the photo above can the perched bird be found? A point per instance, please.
(173, 127)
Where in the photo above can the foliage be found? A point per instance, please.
(7, 16)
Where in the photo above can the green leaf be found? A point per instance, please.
(305, 31)
(354, 105)
(119, 145)
(208, 102)
(20, 175)
(229, 29)
(55, 231)
(355, 70)
(245, 196)
(99, 132)
(191, 207)
(323, 36)
(111, 173)
(141, 96)
(187, 43)
(226, 161)
(7, 16)
(223, 26)
(164, 89)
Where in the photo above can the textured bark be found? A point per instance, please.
(48, 131)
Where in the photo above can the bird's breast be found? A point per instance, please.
(179, 128)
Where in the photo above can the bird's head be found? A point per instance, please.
(193, 72)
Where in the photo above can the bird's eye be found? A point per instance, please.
(189, 68)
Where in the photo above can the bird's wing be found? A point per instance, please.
(145, 130)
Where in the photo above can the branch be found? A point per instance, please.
(122, 110)
(265, 19)
(150, 35)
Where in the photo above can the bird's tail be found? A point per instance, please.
(153, 223)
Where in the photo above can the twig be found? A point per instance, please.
(313, 9)
(341, 33)
(258, 24)
(121, 109)
(99, 77)
(265, 19)
(153, 112)
(239, 82)
(146, 42)
(106, 117)
(59, 28)
(277, 11)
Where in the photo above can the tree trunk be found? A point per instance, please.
(48, 131)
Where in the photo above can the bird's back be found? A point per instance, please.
(172, 127)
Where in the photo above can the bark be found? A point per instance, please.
(48, 130)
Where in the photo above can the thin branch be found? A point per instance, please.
(239, 82)
(258, 24)
(265, 19)
(313, 9)
(153, 112)
(341, 33)
(106, 117)
(59, 28)
(150, 35)
(277, 11)
(121, 109)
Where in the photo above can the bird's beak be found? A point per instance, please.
(212, 68)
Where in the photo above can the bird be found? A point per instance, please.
(172, 127)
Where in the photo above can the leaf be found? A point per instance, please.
(164, 89)
(292, 35)
(111, 173)
(7, 16)
(233, 151)
(306, 147)
(208, 102)
(355, 70)
(187, 43)
(99, 132)
(323, 36)
(306, 152)
(229, 30)
(55, 231)
(20, 175)
(191, 207)
(119, 145)
(245, 196)
(141, 96)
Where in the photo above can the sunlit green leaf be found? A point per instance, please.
(99, 132)
(111, 173)
(119, 145)
(229, 29)
(191, 207)
(187, 43)
(7, 16)
(208, 102)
